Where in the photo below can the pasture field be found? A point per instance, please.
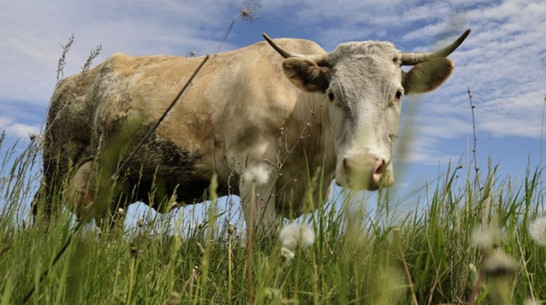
(469, 244)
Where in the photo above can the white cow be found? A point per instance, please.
(261, 123)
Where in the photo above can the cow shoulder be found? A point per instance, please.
(257, 101)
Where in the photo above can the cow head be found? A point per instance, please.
(364, 83)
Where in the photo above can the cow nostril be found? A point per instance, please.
(379, 166)
(364, 172)
(346, 168)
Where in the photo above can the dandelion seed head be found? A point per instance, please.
(295, 234)
(537, 231)
(488, 238)
(141, 223)
(287, 254)
(249, 10)
(531, 302)
(498, 263)
(472, 268)
(257, 174)
(175, 298)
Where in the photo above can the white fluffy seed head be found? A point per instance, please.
(487, 238)
(531, 302)
(287, 254)
(498, 263)
(257, 174)
(537, 231)
(294, 235)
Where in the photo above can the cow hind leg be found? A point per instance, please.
(80, 192)
(46, 200)
(41, 205)
(89, 197)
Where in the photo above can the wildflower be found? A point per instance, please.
(537, 231)
(257, 174)
(294, 235)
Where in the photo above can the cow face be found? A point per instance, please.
(365, 90)
(364, 83)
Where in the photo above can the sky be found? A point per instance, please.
(503, 62)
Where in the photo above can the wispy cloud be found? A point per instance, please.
(32, 36)
(503, 60)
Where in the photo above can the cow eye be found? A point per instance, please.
(331, 96)
(398, 94)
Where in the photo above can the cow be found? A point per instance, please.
(261, 122)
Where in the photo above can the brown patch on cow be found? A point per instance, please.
(160, 168)
(68, 131)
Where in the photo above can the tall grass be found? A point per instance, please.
(429, 257)
(356, 258)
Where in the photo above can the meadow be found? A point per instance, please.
(476, 238)
(470, 244)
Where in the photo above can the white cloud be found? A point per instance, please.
(32, 36)
(17, 130)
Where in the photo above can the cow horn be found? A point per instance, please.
(415, 58)
(321, 60)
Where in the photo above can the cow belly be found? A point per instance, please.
(161, 169)
(156, 189)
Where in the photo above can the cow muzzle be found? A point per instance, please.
(364, 172)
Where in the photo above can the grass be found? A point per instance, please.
(433, 256)
(356, 258)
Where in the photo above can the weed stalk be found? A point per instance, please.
(475, 138)
(397, 241)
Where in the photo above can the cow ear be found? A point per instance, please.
(428, 75)
(305, 74)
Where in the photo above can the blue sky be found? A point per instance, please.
(503, 61)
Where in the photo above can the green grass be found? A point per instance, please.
(356, 258)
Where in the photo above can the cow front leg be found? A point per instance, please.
(257, 186)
